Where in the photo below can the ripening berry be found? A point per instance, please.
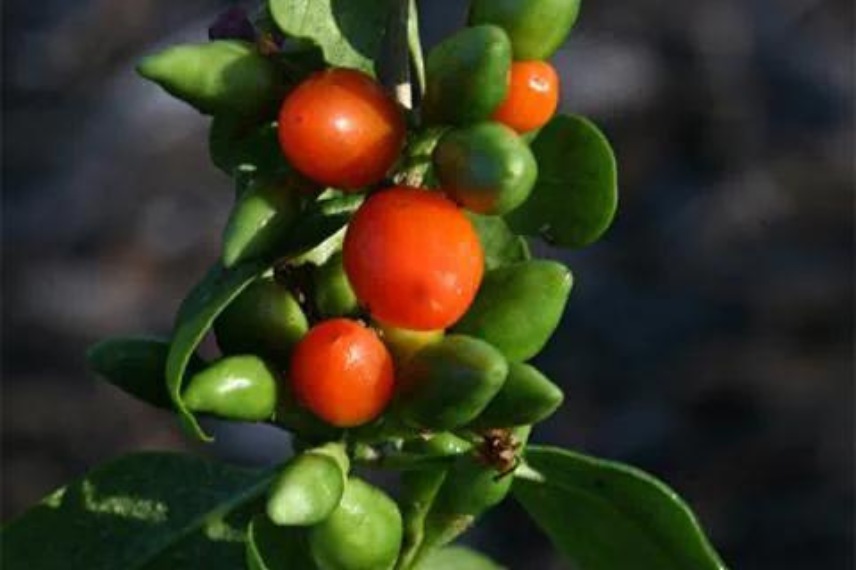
(413, 258)
(339, 128)
(342, 372)
(533, 96)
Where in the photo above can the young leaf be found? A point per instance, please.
(604, 515)
(576, 195)
(194, 318)
(349, 32)
(459, 558)
(146, 511)
(272, 547)
(134, 365)
(501, 245)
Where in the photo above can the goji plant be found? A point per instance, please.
(376, 298)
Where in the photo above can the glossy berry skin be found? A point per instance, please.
(339, 128)
(413, 258)
(533, 96)
(342, 372)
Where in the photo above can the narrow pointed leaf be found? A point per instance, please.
(136, 365)
(193, 321)
(316, 233)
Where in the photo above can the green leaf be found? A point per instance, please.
(604, 515)
(272, 547)
(219, 544)
(501, 245)
(236, 144)
(151, 511)
(348, 32)
(316, 233)
(459, 558)
(575, 198)
(193, 321)
(136, 365)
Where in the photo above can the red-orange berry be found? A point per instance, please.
(342, 372)
(413, 258)
(339, 128)
(533, 96)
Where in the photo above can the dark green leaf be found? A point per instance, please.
(237, 144)
(135, 365)
(575, 198)
(457, 558)
(143, 511)
(193, 321)
(501, 245)
(604, 515)
(219, 545)
(301, 61)
(321, 221)
(349, 32)
(272, 547)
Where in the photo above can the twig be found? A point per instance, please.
(415, 44)
(394, 63)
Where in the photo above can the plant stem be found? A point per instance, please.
(417, 163)
(400, 461)
(415, 44)
(394, 63)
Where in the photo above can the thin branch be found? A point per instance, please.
(414, 41)
(394, 62)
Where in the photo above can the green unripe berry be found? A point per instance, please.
(363, 533)
(236, 387)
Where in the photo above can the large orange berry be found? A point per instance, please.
(413, 258)
(339, 128)
(342, 372)
(533, 96)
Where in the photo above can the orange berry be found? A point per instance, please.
(339, 128)
(533, 96)
(413, 258)
(342, 372)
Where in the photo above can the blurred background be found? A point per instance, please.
(709, 338)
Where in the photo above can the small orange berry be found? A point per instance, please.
(342, 372)
(533, 96)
